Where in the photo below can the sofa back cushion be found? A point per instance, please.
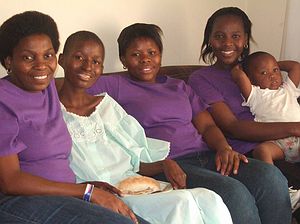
(174, 71)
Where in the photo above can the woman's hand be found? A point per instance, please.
(106, 187)
(228, 160)
(110, 201)
(175, 175)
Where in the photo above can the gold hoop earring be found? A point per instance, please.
(9, 71)
(124, 67)
(246, 46)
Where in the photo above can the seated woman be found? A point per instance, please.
(168, 109)
(226, 42)
(109, 145)
(36, 182)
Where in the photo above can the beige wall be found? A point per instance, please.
(268, 22)
(182, 21)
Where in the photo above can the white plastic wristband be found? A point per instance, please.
(88, 192)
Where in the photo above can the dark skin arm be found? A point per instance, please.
(251, 130)
(106, 187)
(15, 182)
(227, 160)
(242, 80)
(174, 174)
(293, 70)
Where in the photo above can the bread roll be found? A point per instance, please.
(138, 185)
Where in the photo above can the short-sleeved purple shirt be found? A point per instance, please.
(213, 85)
(32, 127)
(165, 109)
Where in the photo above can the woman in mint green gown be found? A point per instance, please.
(109, 145)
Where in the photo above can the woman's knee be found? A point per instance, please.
(237, 192)
(233, 192)
(268, 175)
(182, 196)
(203, 195)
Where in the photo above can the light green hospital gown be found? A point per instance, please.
(109, 145)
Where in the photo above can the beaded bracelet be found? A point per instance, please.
(88, 192)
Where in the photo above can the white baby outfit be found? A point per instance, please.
(279, 105)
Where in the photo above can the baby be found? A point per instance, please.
(271, 100)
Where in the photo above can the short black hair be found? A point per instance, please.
(81, 35)
(207, 54)
(247, 62)
(23, 25)
(137, 30)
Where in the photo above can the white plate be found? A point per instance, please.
(164, 187)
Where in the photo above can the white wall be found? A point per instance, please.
(290, 48)
(267, 17)
(182, 21)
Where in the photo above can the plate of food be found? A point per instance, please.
(142, 185)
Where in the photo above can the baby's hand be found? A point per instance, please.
(237, 72)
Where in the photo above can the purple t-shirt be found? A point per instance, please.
(213, 85)
(32, 127)
(165, 109)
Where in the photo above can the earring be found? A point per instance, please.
(8, 70)
(246, 46)
(124, 67)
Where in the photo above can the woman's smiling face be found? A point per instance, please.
(143, 59)
(33, 63)
(227, 40)
(83, 63)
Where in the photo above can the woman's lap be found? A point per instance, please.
(55, 209)
(167, 207)
(197, 205)
(249, 194)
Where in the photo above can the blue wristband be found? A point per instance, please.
(88, 192)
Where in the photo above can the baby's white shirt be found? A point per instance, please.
(279, 105)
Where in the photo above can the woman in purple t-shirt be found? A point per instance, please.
(34, 140)
(169, 109)
(226, 42)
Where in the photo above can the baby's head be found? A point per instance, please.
(263, 70)
(82, 58)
